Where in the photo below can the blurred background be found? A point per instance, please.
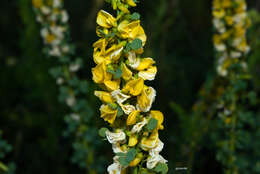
(179, 39)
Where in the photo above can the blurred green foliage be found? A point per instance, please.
(179, 39)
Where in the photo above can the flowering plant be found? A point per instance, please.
(121, 73)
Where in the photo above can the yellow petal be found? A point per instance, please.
(145, 100)
(98, 58)
(219, 13)
(134, 86)
(100, 74)
(137, 160)
(108, 114)
(149, 74)
(132, 140)
(127, 74)
(112, 85)
(159, 117)
(37, 3)
(101, 44)
(131, 3)
(106, 20)
(131, 119)
(104, 96)
(145, 63)
(148, 143)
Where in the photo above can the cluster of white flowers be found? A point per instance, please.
(231, 22)
(54, 21)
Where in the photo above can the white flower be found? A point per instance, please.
(39, 19)
(149, 74)
(127, 108)
(55, 51)
(114, 168)
(45, 10)
(117, 149)
(60, 81)
(44, 32)
(58, 31)
(221, 71)
(71, 101)
(56, 3)
(64, 16)
(220, 25)
(65, 48)
(115, 137)
(119, 96)
(138, 127)
(157, 149)
(133, 61)
(220, 47)
(235, 54)
(152, 161)
(75, 117)
(74, 67)
(151, 96)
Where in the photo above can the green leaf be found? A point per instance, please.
(152, 124)
(135, 16)
(123, 161)
(130, 156)
(102, 132)
(136, 44)
(120, 154)
(120, 111)
(118, 73)
(161, 167)
(113, 106)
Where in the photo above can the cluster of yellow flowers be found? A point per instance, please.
(53, 17)
(231, 22)
(121, 73)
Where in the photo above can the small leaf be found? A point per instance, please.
(130, 156)
(135, 16)
(102, 132)
(120, 111)
(152, 124)
(161, 167)
(113, 106)
(123, 161)
(120, 154)
(136, 44)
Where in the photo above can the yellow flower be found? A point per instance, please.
(134, 87)
(149, 74)
(101, 45)
(131, 3)
(145, 100)
(131, 119)
(100, 73)
(99, 58)
(123, 8)
(37, 3)
(219, 13)
(145, 63)
(159, 117)
(137, 160)
(115, 52)
(104, 96)
(127, 74)
(148, 143)
(133, 140)
(108, 114)
(132, 30)
(50, 38)
(229, 20)
(106, 20)
(112, 85)
(226, 3)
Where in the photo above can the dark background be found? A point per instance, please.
(32, 120)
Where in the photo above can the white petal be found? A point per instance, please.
(115, 137)
(119, 96)
(152, 161)
(138, 127)
(127, 108)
